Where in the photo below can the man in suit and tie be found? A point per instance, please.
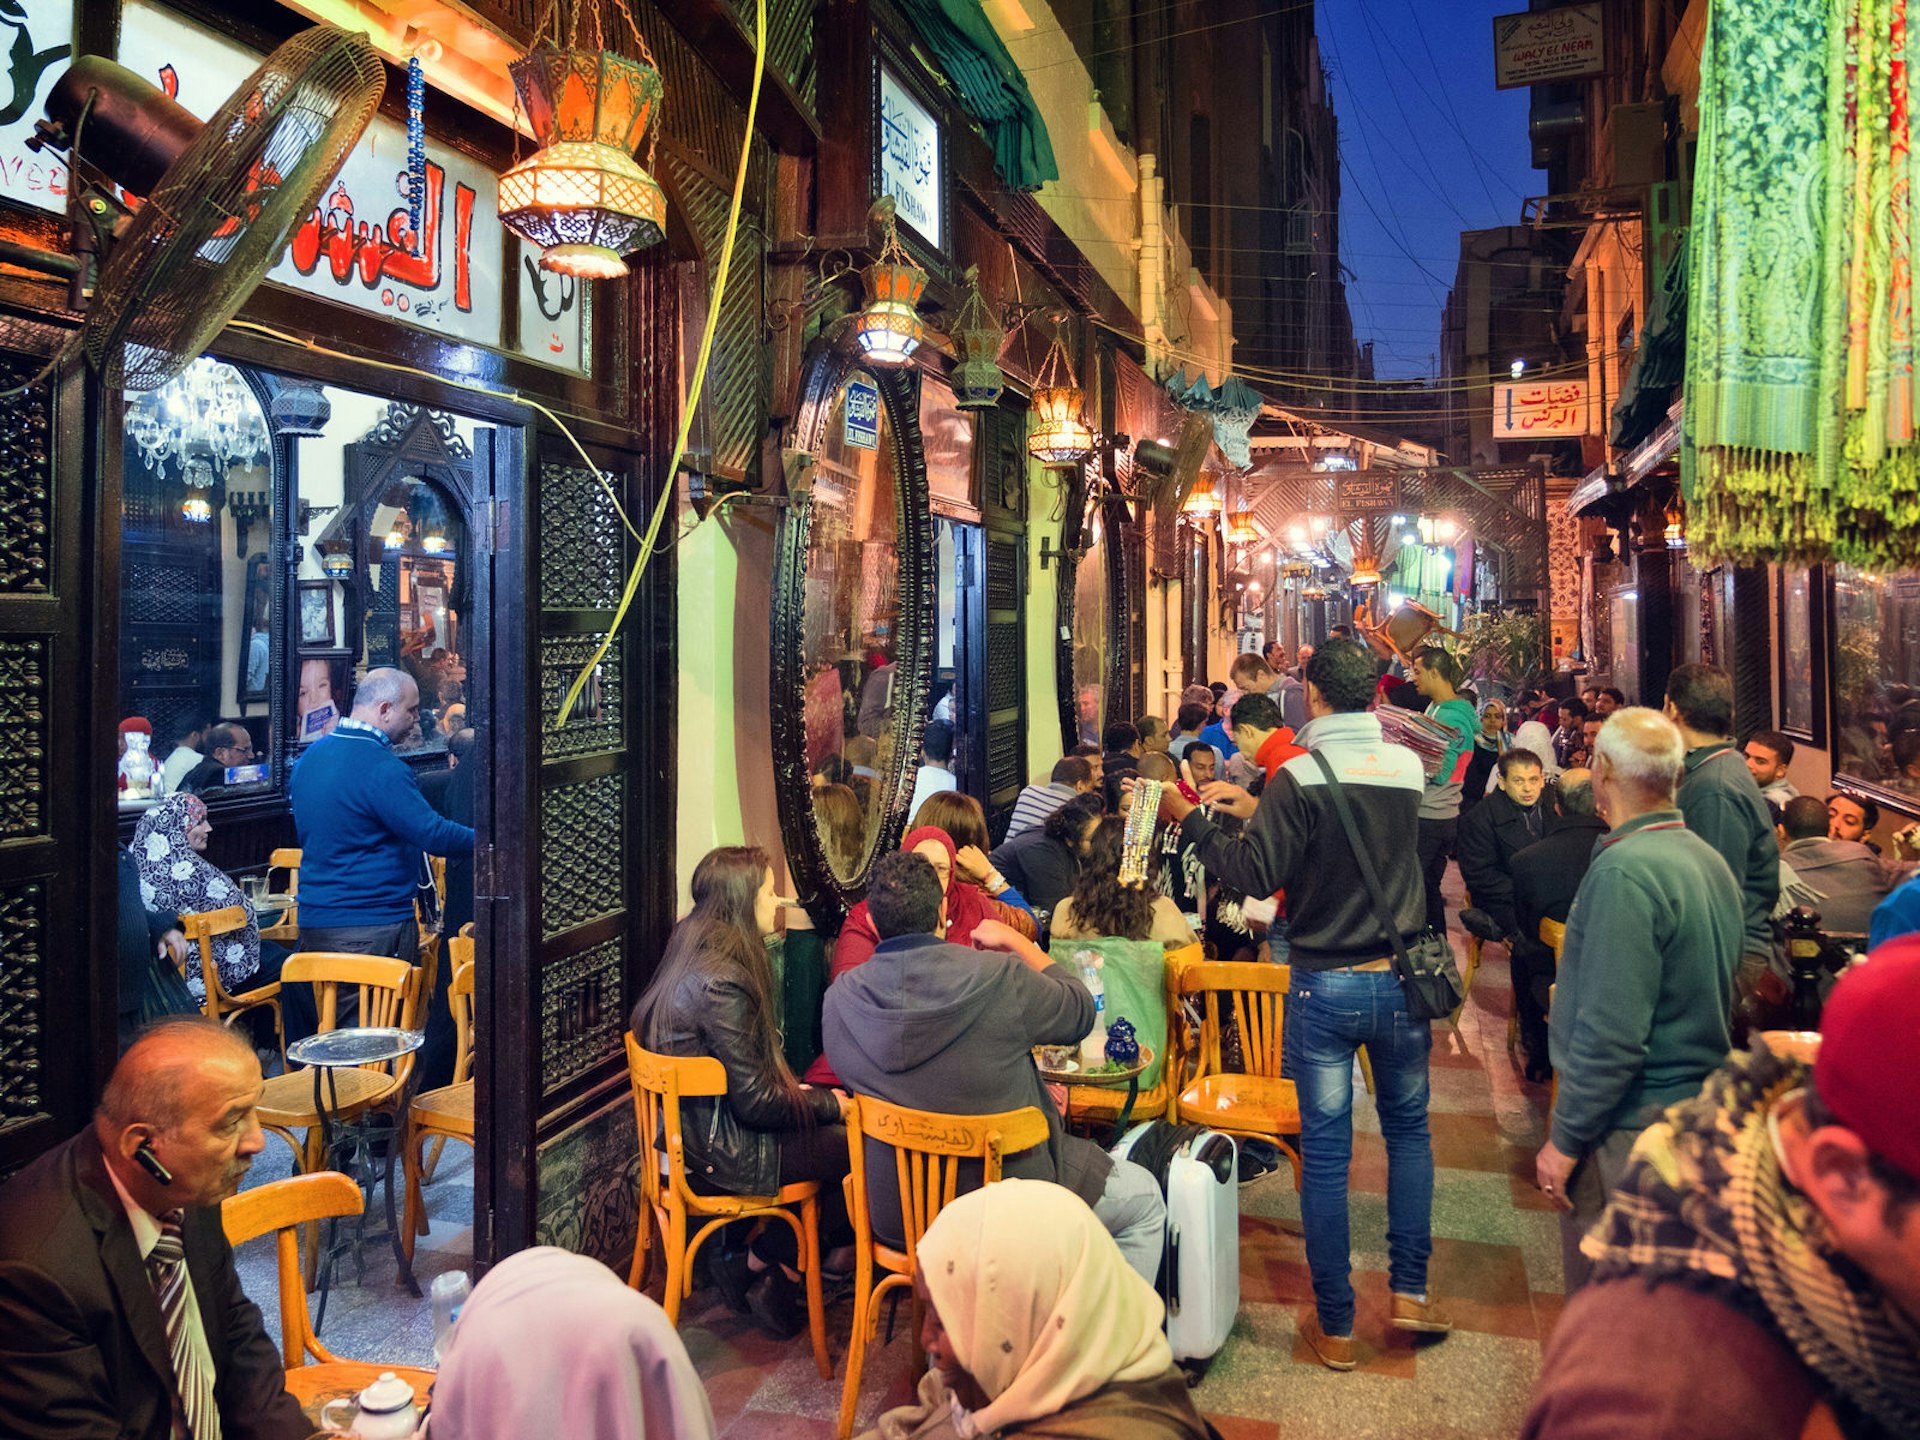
(121, 1314)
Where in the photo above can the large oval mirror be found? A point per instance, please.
(851, 636)
(1090, 637)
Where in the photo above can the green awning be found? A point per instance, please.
(1659, 364)
(991, 87)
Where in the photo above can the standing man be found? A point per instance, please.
(1344, 993)
(1546, 877)
(1768, 754)
(120, 1311)
(1646, 976)
(1494, 831)
(1437, 675)
(364, 825)
(1261, 735)
(1723, 805)
(936, 765)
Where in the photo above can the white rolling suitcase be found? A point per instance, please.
(1198, 1171)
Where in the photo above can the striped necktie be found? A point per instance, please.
(195, 1414)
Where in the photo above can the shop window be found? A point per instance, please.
(1876, 682)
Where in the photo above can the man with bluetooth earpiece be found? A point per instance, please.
(120, 1310)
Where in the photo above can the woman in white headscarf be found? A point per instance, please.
(555, 1344)
(1037, 1327)
(1536, 737)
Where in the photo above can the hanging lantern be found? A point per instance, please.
(1060, 435)
(582, 197)
(1240, 526)
(977, 380)
(1203, 501)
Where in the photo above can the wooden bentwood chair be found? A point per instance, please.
(1258, 1103)
(445, 1113)
(670, 1204)
(286, 928)
(279, 1208)
(220, 1003)
(927, 1151)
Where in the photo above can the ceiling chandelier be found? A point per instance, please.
(581, 197)
(1060, 434)
(890, 329)
(203, 423)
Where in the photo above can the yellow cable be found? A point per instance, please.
(699, 371)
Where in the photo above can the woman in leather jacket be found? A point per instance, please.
(713, 995)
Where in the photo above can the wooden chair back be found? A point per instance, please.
(388, 991)
(660, 1082)
(1254, 996)
(277, 1208)
(1553, 935)
(460, 1002)
(928, 1149)
(201, 929)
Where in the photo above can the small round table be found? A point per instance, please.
(343, 1049)
(1128, 1079)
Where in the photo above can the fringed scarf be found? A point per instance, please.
(1799, 442)
(1704, 1202)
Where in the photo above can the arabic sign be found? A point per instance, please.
(39, 41)
(1542, 408)
(1564, 43)
(910, 158)
(1364, 494)
(861, 427)
(553, 315)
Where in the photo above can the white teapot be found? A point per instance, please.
(383, 1411)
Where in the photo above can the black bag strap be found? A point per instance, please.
(1381, 910)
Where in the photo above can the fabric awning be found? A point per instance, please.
(1659, 364)
(991, 87)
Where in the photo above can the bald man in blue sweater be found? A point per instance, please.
(364, 825)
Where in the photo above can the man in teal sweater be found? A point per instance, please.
(364, 826)
(1645, 990)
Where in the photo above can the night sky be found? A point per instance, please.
(1429, 148)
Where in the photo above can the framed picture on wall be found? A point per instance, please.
(1800, 704)
(316, 615)
(323, 693)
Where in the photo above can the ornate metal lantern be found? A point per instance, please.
(1203, 501)
(890, 329)
(1060, 435)
(582, 197)
(1240, 526)
(978, 381)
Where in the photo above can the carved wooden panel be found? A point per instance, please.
(583, 1013)
(590, 1186)
(23, 1018)
(24, 669)
(158, 593)
(581, 830)
(597, 723)
(582, 560)
(1003, 574)
(26, 468)
(1005, 755)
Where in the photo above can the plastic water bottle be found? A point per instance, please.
(449, 1292)
(1093, 1049)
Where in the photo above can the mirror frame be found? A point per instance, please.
(826, 895)
(1115, 679)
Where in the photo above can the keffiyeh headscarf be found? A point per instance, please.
(1703, 1202)
(176, 878)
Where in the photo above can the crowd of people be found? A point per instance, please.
(1733, 1217)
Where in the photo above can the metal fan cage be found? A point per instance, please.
(221, 215)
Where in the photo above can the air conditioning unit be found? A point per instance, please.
(1637, 140)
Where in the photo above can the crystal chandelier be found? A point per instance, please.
(203, 424)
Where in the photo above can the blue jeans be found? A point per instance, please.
(1329, 1015)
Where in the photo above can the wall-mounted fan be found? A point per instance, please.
(220, 199)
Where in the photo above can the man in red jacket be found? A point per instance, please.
(1757, 1272)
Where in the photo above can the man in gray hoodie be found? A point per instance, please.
(950, 1029)
(1846, 878)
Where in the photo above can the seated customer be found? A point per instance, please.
(1071, 776)
(965, 823)
(934, 1026)
(176, 878)
(151, 950)
(1845, 878)
(1034, 1327)
(966, 906)
(520, 1363)
(713, 995)
(1043, 864)
(1102, 905)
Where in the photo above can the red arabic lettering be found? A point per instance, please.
(389, 252)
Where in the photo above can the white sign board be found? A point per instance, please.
(1544, 408)
(910, 159)
(1564, 43)
(39, 39)
(354, 247)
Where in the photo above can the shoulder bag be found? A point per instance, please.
(1427, 970)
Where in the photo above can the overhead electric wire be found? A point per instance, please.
(1451, 115)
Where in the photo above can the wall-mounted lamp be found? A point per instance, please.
(890, 329)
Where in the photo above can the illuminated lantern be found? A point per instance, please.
(1240, 527)
(1060, 435)
(582, 197)
(978, 381)
(890, 329)
(1203, 501)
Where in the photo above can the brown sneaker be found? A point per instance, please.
(1333, 1351)
(1425, 1316)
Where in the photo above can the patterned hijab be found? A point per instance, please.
(176, 879)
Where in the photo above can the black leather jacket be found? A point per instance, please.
(732, 1143)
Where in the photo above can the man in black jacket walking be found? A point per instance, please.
(1492, 832)
(1546, 877)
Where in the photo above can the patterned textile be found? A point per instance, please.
(1800, 425)
(195, 1415)
(1704, 1202)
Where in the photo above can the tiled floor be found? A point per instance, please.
(1496, 1263)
